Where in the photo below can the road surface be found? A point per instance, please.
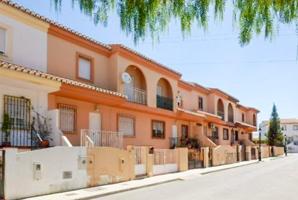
(272, 180)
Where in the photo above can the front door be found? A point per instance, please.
(94, 121)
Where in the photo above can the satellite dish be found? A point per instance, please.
(126, 78)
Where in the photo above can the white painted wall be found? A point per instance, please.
(19, 171)
(140, 169)
(164, 169)
(26, 45)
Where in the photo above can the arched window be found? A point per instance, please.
(220, 109)
(135, 90)
(230, 113)
(164, 95)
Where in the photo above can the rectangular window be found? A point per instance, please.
(184, 131)
(126, 125)
(158, 129)
(201, 103)
(2, 40)
(250, 136)
(226, 134)
(295, 127)
(243, 118)
(68, 117)
(18, 110)
(236, 136)
(84, 68)
(215, 133)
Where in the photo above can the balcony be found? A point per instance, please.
(164, 102)
(135, 95)
(221, 114)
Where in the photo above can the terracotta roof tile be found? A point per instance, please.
(147, 58)
(40, 17)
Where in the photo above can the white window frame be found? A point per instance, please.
(3, 41)
(126, 125)
(67, 115)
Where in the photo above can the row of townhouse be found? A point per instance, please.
(83, 84)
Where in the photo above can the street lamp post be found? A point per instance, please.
(286, 148)
(260, 155)
(285, 142)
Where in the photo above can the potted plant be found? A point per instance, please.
(43, 131)
(6, 127)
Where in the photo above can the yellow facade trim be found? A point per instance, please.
(23, 17)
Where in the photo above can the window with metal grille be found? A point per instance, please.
(18, 111)
(68, 116)
(226, 134)
(158, 129)
(200, 103)
(215, 133)
(184, 131)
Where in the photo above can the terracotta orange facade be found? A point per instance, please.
(185, 110)
(157, 108)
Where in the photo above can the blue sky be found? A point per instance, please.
(259, 74)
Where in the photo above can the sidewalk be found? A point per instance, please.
(136, 184)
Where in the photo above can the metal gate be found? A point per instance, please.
(253, 153)
(195, 159)
(2, 173)
(17, 122)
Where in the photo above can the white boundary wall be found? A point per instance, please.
(140, 169)
(164, 169)
(61, 169)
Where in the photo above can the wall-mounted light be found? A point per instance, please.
(96, 108)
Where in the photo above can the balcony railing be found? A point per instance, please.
(100, 138)
(221, 114)
(164, 102)
(184, 142)
(135, 95)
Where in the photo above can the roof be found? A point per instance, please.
(193, 85)
(147, 58)
(47, 20)
(224, 93)
(245, 124)
(247, 108)
(284, 121)
(37, 73)
(65, 28)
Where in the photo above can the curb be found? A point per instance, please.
(180, 178)
(218, 170)
(160, 183)
(130, 189)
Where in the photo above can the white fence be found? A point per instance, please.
(140, 160)
(165, 161)
(91, 138)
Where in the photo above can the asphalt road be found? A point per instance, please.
(272, 180)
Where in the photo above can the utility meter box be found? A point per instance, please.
(37, 171)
